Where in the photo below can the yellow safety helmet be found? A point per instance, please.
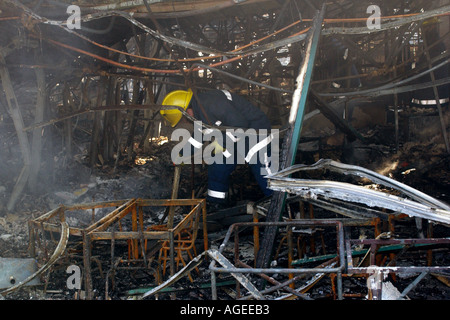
(179, 98)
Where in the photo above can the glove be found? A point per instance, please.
(218, 149)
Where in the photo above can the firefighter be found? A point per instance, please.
(221, 108)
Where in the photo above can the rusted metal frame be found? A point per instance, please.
(314, 279)
(290, 253)
(32, 239)
(134, 236)
(53, 227)
(255, 234)
(346, 295)
(197, 203)
(184, 223)
(302, 289)
(217, 256)
(134, 227)
(172, 231)
(353, 211)
(129, 235)
(141, 234)
(392, 269)
(111, 271)
(96, 205)
(376, 273)
(276, 283)
(195, 262)
(97, 235)
(173, 12)
(176, 230)
(50, 214)
(44, 220)
(185, 270)
(96, 231)
(39, 224)
(421, 69)
(112, 217)
(167, 202)
(240, 263)
(322, 222)
(205, 230)
(374, 248)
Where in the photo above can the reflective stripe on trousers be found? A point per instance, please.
(217, 194)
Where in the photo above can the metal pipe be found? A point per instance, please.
(412, 285)
(315, 222)
(278, 284)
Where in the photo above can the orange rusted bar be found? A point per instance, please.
(112, 217)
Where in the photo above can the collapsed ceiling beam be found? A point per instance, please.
(421, 205)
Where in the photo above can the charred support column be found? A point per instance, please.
(16, 115)
(36, 144)
(436, 95)
(292, 138)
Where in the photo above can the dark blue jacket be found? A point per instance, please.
(228, 109)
